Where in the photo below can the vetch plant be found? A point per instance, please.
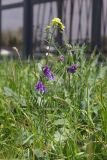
(61, 58)
(48, 73)
(72, 68)
(64, 115)
(40, 87)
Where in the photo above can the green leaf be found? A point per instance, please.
(10, 93)
(61, 122)
(28, 139)
(23, 102)
(38, 153)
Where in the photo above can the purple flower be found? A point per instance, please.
(61, 58)
(40, 87)
(72, 68)
(47, 72)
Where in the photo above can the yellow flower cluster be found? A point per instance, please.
(57, 22)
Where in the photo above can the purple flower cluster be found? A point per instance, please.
(72, 68)
(40, 87)
(47, 72)
(61, 58)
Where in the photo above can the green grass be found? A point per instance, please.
(68, 122)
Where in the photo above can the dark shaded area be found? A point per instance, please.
(96, 23)
(28, 29)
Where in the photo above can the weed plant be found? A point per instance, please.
(55, 109)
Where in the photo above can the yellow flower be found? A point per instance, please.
(57, 22)
(47, 28)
